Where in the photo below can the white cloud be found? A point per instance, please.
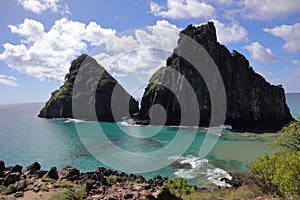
(183, 9)
(121, 44)
(38, 6)
(296, 62)
(95, 34)
(31, 29)
(134, 56)
(289, 33)
(8, 80)
(46, 55)
(260, 53)
(141, 51)
(230, 33)
(266, 9)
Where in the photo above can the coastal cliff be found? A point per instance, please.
(95, 94)
(252, 102)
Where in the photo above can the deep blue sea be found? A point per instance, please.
(25, 138)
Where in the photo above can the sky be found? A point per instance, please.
(132, 39)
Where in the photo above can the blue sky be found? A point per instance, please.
(39, 39)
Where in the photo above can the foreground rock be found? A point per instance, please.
(101, 184)
(252, 102)
(92, 93)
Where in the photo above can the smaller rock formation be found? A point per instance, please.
(91, 94)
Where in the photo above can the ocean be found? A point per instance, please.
(25, 138)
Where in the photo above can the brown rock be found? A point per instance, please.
(31, 169)
(16, 168)
(128, 196)
(40, 173)
(19, 194)
(11, 178)
(69, 173)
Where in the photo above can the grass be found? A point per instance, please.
(69, 191)
(64, 194)
(47, 179)
(244, 192)
(7, 190)
(64, 184)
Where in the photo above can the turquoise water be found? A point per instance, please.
(24, 138)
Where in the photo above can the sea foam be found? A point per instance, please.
(191, 167)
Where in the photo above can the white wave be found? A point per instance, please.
(128, 122)
(228, 127)
(187, 173)
(215, 176)
(199, 167)
(74, 121)
(194, 161)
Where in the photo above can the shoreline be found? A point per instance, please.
(32, 182)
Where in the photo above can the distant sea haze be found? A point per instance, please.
(25, 138)
(293, 101)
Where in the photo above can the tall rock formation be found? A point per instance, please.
(93, 98)
(252, 102)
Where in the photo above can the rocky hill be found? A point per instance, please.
(252, 102)
(93, 96)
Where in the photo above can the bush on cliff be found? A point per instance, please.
(179, 186)
(279, 173)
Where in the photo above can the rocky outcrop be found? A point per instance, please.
(252, 102)
(100, 184)
(94, 91)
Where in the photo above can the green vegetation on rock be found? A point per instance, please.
(91, 86)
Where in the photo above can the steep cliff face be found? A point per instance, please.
(93, 94)
(252, 102)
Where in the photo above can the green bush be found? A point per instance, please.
(279, 173)
(112, 179)
(289, 137)
(179, 186)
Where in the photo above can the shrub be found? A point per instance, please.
(179, 186)
(112, 179)
(289, 137)
(279, 173)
